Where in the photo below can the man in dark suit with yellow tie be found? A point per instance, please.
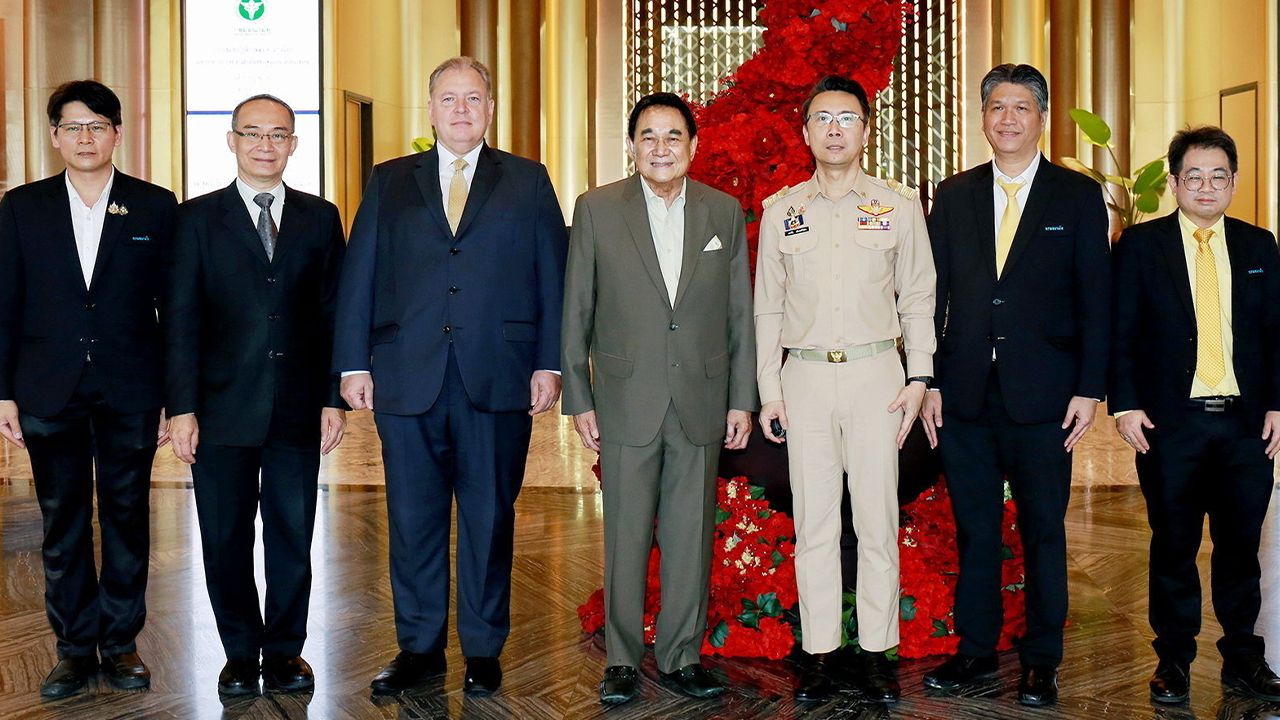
(1195, 388)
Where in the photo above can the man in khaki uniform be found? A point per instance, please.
(834, 253)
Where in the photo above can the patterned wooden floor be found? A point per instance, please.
(551, 669)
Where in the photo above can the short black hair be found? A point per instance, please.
(1025, 75)
(662, 99)
(235, 114)
(836, 83)
(1205, 136)
(97, 97)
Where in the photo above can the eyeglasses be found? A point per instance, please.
(1217, 181)
(253, 136)
(844, 119)
(96, 128)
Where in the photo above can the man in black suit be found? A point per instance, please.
(1023, 321)
(450, 303)
(80, 363)
(252, 404)
(1200, 403)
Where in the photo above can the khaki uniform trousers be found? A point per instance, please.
(839, 424)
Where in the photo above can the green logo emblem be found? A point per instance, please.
(252, 9)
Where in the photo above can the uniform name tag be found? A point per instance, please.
(794, 225)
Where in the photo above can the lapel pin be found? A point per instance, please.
(117, 209)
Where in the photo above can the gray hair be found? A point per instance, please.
(462, 62)
(235, 114)
(1024, 75)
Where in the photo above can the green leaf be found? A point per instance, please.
(940, 629)
(423, 144)
(778, 558)
(749, 619)
(907, 608)
(722, 515)
(1095, 129)
(1123, 182)
(892, 653)
(769, 605)
(1080, 167)
(1148, 202)
(764, 514)
(1006, 552)
(1148, 175)
(757, 492)
(719, 634)
(749, 605)
(849, 597)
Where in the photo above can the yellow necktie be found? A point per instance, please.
(457, 194)
(1210, 366)
(1008, 222)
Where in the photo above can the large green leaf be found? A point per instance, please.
(769, 605)
(1148, 202)
(749, 619)
(423, 144)
(907, 608)
(1095, 129)
(719, 634)
(1121, 181)
(1080, 167)
(1147, 176)
(722, 515)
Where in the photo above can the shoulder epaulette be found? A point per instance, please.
(906, 192)
(774, 197)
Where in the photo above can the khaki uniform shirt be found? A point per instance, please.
(836, 272)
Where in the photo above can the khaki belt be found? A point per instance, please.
(852, 352)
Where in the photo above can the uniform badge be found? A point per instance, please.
(875, 209)
(875, 216)
(794, 225)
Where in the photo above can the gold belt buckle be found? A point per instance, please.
(836, 356)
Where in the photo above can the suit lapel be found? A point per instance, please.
(427, 174)
(293, 221)
(695, 230)
(235, 217)
(984, 202)
(1175, 261)
(62, 235)
(112, 224)
(488, 172)
(637, 216)
(1037, 202)
(1237, 255)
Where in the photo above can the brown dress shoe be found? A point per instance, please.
(126, 671)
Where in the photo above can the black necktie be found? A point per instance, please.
(266, 224)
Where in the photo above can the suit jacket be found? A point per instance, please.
(645, 351)
(49, 319)
(1154, 350)
(250, 339)
(411, 289)
(1048, 315)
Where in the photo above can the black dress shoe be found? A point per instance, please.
(483, 676)
(960, 670)
(815, 684)
(126, 671)
(239, 677)
(879, 681)
(69, 676)
(408, 670)
(1252, 674)
(1038, 686)
(1171, 683)
(692, 680)
(287, 675)
(619, 685)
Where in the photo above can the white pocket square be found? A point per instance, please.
(714, 244)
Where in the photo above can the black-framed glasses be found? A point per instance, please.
(253, 136)
(1217, 181)
(97, 128)
(844, 119)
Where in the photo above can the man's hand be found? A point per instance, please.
(1079, 411)
(1131, 426)
(588, 430)
(908, 401)
(544, 390)
(357, 390)
(1271, 432)
(9, 426)
(775, 409)
(737, 429)
(162, 431)
(931, 416)
(333, 425)
(184, 431)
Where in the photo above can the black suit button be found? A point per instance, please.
(271, 280)
(453, 290)
(273, 317)
(997, 301)
(90, 306)
(447, 328)
(84, 340)
(92, 341)
(675, 326)
(453, 251)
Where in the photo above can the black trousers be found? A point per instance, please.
(89, 612)
(977, 456)
(231, 485)
(1211, 464)
(453, 451)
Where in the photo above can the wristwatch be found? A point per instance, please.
(926, 379)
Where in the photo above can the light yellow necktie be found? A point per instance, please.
(457, 194)
(1008, 222)
(1210, 366)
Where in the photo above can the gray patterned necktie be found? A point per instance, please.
(266, 224)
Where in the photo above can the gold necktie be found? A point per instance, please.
(457, 194)
(1008, 223)
(1210, 366)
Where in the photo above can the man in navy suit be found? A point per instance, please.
(1022, 319)
(449, 305)
(80, 379)
(252, 404)
(1195, 388)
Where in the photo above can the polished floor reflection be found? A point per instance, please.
(551, 669)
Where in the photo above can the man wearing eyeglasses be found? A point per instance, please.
(81, 287)
(844, 269)
(252, 404)
(1195, 389)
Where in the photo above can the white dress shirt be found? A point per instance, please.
(666, 225)
(86, 224)
(446, 168)
(248, 193)
(1002, 199)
